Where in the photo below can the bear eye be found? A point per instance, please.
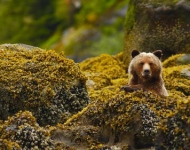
(150, 64)
(141, 63)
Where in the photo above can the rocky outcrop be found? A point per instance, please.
(21, 131)
(130, 120)
(43, 82)
(152, 25)
(113, 119)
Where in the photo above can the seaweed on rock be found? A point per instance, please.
(112, 120)
(104, 72)
(43, 82)
(174, 132)
(136, 120)
(133, 120)
(21, 131)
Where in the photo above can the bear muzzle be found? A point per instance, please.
(146, 73)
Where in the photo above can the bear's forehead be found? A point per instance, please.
(146, 56)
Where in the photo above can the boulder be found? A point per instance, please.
(21, 131)
(42, 82)
(186, 73)
(114, 119)
(138, 120)
(152, 25)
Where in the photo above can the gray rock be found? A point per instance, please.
(158, 25)
(185, 59)
(186, 73)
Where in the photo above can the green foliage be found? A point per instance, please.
(61, 12)
(42, 23)
(53, 39)
(95, 7)
(25, 22)
(112, 44)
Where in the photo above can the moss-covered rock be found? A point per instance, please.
(113, 119)
(130, 120)
(103, 71)
(176, 60)
(43, 82)
(21, 131)
(174, 131)
(135, 120)
(152, 25)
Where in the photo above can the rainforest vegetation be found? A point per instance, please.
(56, 24)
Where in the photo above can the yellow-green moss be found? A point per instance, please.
(8, 145)
(124, 113)
(175, 81)
(40, 81)
(22, 131)
(171, 61)
(133, 119)
(102, 71)
(11, 125)
(116, 119)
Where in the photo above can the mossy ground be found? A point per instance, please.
(114, 119)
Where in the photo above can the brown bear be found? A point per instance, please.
(146, 73)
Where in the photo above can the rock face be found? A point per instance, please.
(113, 120)
(118, 120)
(152, 25)
(22, 132)
(43, 82)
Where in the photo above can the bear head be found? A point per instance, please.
(145, 66)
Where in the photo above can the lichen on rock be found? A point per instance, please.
(21, 131)
(112, 120)
(158, 24)
(174, 133)
(104, 71)
(43, 82)
(136, 120)
(175, 79)
(133, 120)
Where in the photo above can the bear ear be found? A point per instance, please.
(158, 53)
(135, 53)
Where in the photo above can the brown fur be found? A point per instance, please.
(146, 73)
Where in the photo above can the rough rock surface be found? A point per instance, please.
(113, 120)
(152, 25)
(130, 120)
(43, 82)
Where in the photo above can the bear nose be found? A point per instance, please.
(146, 71)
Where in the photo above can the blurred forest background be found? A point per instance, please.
(80, 28)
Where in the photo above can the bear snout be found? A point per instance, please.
(146, 73)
